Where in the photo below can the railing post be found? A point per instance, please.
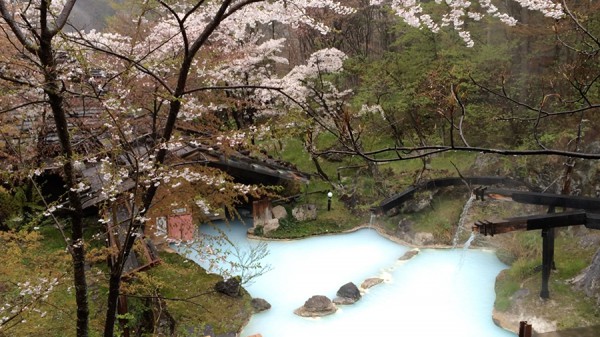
(524, 329)
(547, 258)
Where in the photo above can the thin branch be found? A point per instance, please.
(532, 108)
(462, 115)
(424, 151)
(22, 106)
(61, 20)
(12, 23)
(579, 25)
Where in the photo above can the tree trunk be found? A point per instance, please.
(53, 92)
(114, 285)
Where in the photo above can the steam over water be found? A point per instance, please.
(439, 292)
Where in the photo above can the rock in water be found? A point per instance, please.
(347, 294)
(409, 255)
(259, 304)
(371, 282)
(316, 306)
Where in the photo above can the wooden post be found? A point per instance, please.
(547, 258)
(524, 329)
(122, 310)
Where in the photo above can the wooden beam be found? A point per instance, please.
(536, 198)
(532, 222)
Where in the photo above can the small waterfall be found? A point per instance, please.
(470, 240)
(465, 249)
(462, 219)
(372, 219)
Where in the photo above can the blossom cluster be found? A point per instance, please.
(29, 294)
(296, 82)
(412, 12)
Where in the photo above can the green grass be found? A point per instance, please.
(568, 306)
(337, 220)
(191, 299)
(505, 287)
(440, 219)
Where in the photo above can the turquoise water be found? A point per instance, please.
(440, 292)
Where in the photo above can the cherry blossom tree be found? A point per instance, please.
(570, 103)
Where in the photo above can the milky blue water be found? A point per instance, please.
(439, 292)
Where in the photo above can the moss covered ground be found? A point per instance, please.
(39, 257)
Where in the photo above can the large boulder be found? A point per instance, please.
(347, 294)
(423, 239)
(404, 226)
(305, 212)
(231, 287)
(419, 202)
(270, 225)
(279, 212)
(316, 306)
(259, 304)
(589, 279)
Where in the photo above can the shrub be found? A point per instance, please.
(9, 208)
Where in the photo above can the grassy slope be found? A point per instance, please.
(42, 255)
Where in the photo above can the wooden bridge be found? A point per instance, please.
(577, 210)
(399, 198)
(586, 212)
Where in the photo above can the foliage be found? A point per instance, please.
(505, 287)
(440, 218)
(525, 273)
(184, 289)
(190, 297)
(337, 220)
(8, 208)
(34, 282)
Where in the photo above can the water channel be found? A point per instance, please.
(439, 292)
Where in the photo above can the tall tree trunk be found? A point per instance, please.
(114, 286)
(53, 92)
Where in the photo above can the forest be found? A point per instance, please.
(366, 96)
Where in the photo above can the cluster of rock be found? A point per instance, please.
(270, 217)
(404, 231)
(349, 293)
(319, 305)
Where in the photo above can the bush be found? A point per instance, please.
(9, 208)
